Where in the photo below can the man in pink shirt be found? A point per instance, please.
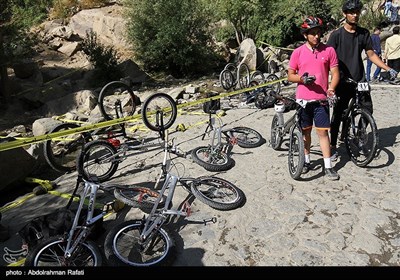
(309, 67)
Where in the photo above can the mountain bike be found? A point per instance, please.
(217, 155)
(147, 241)
(359, 129)
(74, 248)
(102, 158)
(279, 128)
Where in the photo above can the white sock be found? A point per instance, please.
(307, 158)
(327, 162)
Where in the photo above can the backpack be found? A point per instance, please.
(211, 106)
(58, 222)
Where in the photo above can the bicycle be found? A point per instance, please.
(233, 75)
(61, 152)
(146, 241)
(216, 156)
(359, 129)
(102, 158)
(74, 247)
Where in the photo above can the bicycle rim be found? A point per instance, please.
(243, 75)
(296, 154)
(247, 137)
(276, 138)
(226, 79)
(98, 159)
(276, 87)
(116, 100)
(217, 193)
(211, 160)
(361, 138)
(123, 245)
(155, 103)
(52, 253)
(61, 152)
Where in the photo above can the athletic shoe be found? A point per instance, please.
(331, 174)
(306, 168)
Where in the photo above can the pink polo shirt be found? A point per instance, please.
(317, 63)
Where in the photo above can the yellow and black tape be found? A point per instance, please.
(21, 142)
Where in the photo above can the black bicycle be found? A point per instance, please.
(359, 131)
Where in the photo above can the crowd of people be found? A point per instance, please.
(342, 57)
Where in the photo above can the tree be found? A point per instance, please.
(170, 35)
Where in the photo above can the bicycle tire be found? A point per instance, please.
(276, 138)
(231, 67)
(98, 159)
(154, 103)
(296, 154)
(276, 87)
(218, 193)
(257, 77)
(243, 75)
(139, 197)
(361, 144)
(117, 94)
(60, 153)
(122, 246)
(226, 79)
(219, 161)
(50, 252)
(247, 137)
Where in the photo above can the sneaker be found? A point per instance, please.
(334, 154)
(306, 168)
(331, 174)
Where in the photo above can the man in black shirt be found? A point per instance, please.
(349, 41)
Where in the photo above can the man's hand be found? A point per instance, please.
(393, 73)
(307, 80)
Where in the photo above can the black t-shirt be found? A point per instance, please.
(349, 47)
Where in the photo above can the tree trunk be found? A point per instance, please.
(5, 91)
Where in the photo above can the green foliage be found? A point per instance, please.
(170, 35)
(103, 59)
(26, 13)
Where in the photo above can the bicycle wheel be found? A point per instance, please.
(61, 152)
(123, 246)
(217, 193)
(98, 158)
(51, 252)
(275, 86)
(257, 77)
(247, 137)
(296, 154)
(243, 75)
(211, 160)
(361, 137)
(276, 137)
(159, 102)
(226, 79)
(117, 100)
(140, 197)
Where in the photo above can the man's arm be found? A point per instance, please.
(376, 60)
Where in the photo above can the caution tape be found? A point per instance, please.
(281, 48)
(41, 138)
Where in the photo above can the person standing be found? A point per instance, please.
(309, 67)
(392, 49)
(349, 41)
(376, 45)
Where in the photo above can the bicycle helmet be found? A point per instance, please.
(309, 23)
(279, 107)
(352, 5)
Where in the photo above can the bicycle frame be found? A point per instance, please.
(89, 191)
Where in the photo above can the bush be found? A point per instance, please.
(103, 58)
(170, 35)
